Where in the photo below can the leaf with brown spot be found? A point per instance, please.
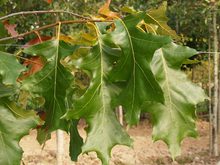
(35, 63)
(52, 82)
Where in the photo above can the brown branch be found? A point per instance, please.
(52, 25)
(42, 12)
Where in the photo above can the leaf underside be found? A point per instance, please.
(175, 119)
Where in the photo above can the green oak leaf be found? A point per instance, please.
(133, 66)
(156, 20)
(104, 131)
(76, 141)
(15, 123)
(52, 82)
(42, 136)
(175, 119)
(10, 68)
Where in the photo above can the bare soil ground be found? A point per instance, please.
(144, 152)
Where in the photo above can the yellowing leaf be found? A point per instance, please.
(83, 38)
(158, 17)
(105, 11)
(67, 39)
(128, 9)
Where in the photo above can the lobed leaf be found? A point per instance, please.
(133, 66)
(123, 60)
(104, 131)
(175, 119)
(156, 20)
(52, 82)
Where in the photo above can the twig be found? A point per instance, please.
(52, 25)
(207, 52)
(38, 35)
(42, 12)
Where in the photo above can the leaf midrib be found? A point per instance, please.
(158, 23)
(134, 63)
(167, 85)
(101, 78)
(55, 82)
(171, 105)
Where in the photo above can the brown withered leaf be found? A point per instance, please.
(11, 29)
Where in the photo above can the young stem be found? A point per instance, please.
(42, 12)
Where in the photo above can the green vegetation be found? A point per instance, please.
(131, 58)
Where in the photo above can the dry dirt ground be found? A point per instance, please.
(144, 152)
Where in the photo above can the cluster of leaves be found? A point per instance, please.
(130, 61)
